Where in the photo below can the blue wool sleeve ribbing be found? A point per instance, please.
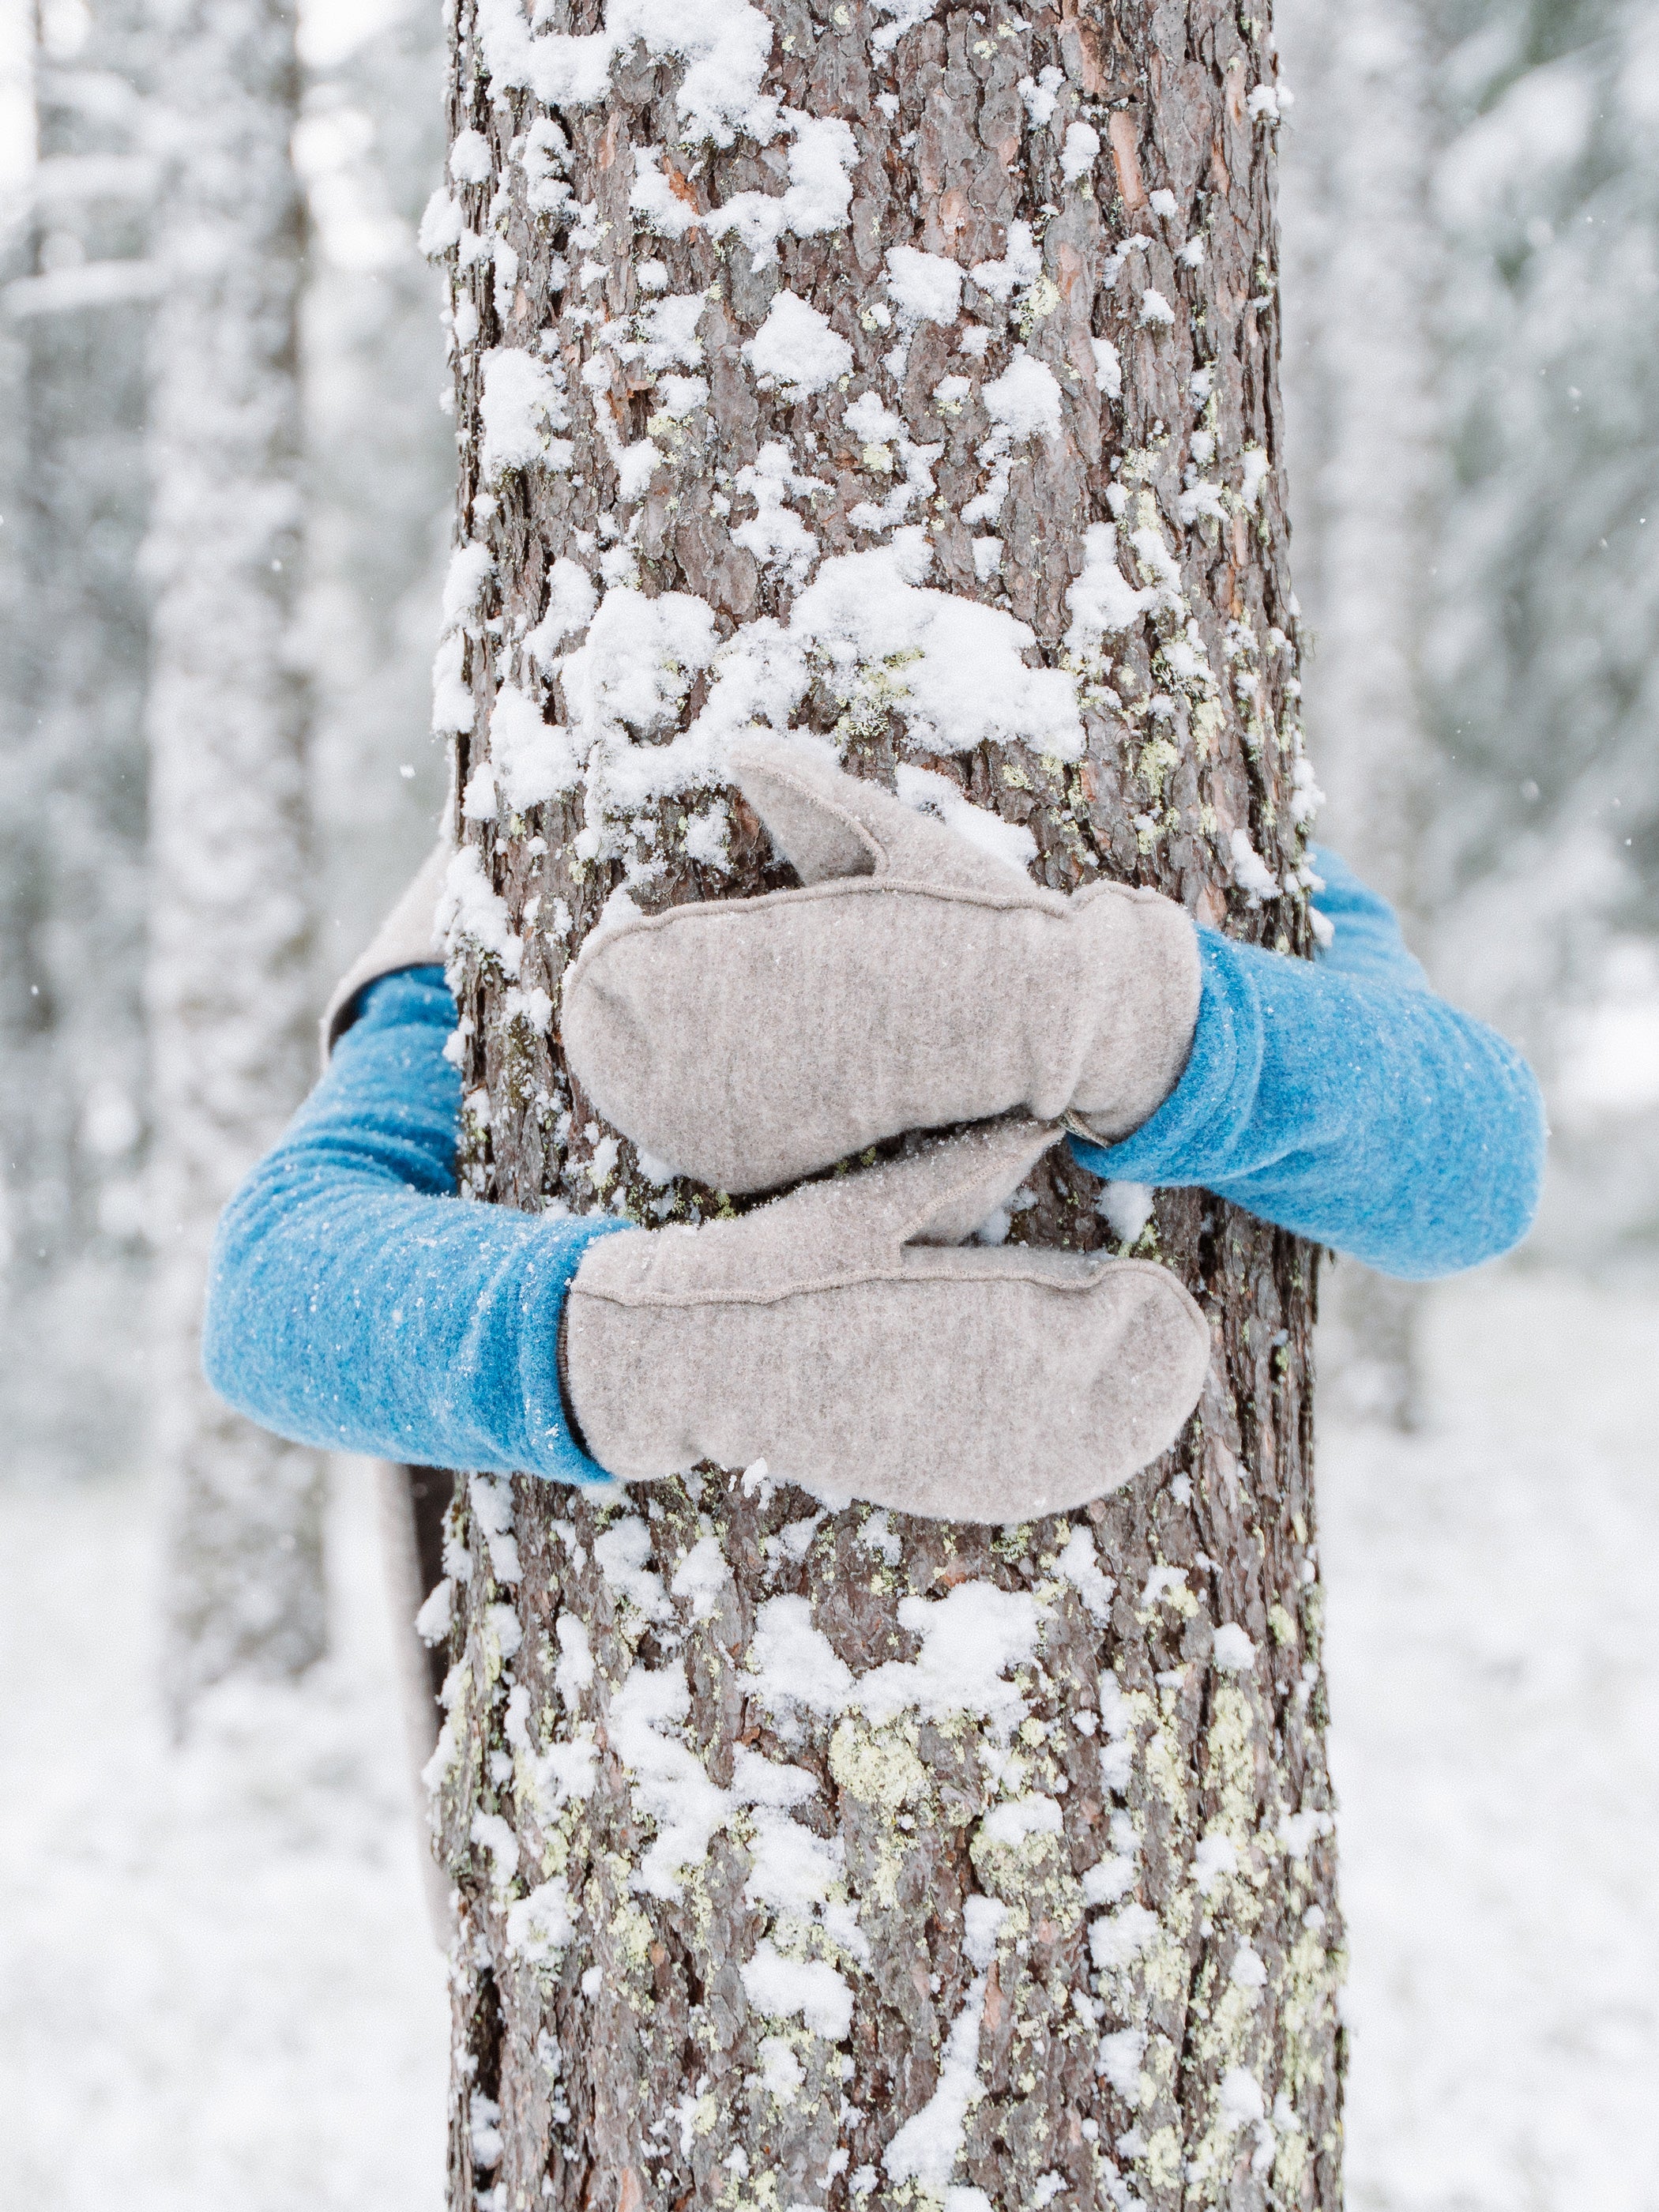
(355, 1303)
(1341, 1099)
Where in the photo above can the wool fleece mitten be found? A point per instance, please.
(845, 1334)
(916, 981)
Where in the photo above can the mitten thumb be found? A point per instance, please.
(827, 823)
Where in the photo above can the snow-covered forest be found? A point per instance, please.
(226, 475)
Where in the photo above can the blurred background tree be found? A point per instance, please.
(87, 405)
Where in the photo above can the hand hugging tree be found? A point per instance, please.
(907, 377)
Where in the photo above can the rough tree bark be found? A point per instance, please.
(229, 984)
(739, 1927)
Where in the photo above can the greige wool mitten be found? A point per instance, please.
(916, 981)
(845, 1335)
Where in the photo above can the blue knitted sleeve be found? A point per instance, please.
(353, 1302)
(1341, 1099)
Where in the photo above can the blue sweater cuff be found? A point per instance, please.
(1351, 1105)
(354, 1303)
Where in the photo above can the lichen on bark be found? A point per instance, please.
(806, 1855)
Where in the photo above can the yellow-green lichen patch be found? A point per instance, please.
(877, 1765)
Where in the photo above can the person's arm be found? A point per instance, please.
(1343, 1099)
(354, 1303)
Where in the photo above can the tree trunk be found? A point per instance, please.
(1072, 1925)
(230, 983)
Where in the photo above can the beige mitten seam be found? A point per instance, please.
(1099, 1266)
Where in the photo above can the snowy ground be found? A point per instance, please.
(217, 1992)
(1494, 1656)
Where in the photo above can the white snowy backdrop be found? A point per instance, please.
(216, 1983)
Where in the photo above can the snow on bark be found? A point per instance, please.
(807, 1855)
(229, 983)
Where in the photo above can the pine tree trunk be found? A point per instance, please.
(230, 986)
(1075, 1930)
